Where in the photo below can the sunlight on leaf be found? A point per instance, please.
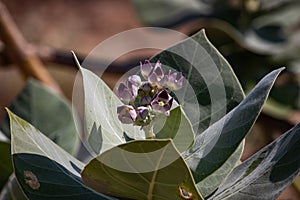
(214, 153)
(101, 110)
(42, 167)
(141, 169)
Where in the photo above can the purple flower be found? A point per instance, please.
(128, 92)
(174, 81)
(145, 100)
(125, 94)
(126, 114)
(156, 76)
(143, 116)
(162, 102)
(146, 68)
(133, 83)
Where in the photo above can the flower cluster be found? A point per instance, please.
(145, 99)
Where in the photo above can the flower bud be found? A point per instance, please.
(156, 77)
(146, 68)
(146, 87)
(125, 94)
(143, 116)
(126, 114)
(145, 100)
(174, 81)
(133, 83)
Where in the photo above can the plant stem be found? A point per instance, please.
(149, 134)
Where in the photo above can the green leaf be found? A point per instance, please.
(43, 169)
(217, 150)
(177, 127)
(270, 170)
(12, 190)
(6, 167)
(141, 169)
(163, 11)
(212, 89)
(95, 139)
(47, 111)
(101, 110)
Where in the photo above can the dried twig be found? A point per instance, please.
(20, 52)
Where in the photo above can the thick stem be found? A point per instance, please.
(149, 131)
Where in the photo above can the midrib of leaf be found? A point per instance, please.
(188, 76)
(139, 174)
(152, 183)
(123, 182)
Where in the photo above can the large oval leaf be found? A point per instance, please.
(101, 113)
(215, 153)
(43, 169)
(177, 127)
(141, 169)
(212, 89)
(270, 170)
(47, 111)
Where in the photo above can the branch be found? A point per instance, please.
(20, 52)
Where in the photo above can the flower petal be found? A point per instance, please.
(153, 79)
(145, 100)
(158, 70)
(126, 114)
(124, 93)
(146, 68)
(162, 103)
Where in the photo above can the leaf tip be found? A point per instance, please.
(282, 68)
(9, 112)
(76, 60)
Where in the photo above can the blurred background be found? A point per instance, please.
(255, 36)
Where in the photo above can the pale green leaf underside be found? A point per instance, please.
(141, 169)
(52, 166)
(101, 110)
(265, 174)
(214, 150)
(27, 139)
